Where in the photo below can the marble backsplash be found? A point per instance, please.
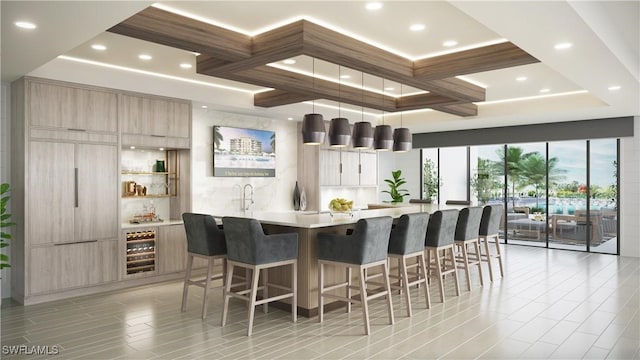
(222, 194)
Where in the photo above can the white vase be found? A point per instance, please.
(303, 199)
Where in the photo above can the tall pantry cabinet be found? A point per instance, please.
(65, 191)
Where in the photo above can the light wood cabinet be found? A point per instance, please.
(73, 193)
(54, 105)
(329, 165)
(368, 168)
(172, 250)
(350, 168)
(156, 117)
(66, 266)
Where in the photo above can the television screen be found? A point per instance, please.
(239, 152)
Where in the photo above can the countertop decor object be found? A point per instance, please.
(397, 194)
(303, 199)
(296, 197)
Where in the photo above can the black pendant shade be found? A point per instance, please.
(401, 140)
(383, 138)
(313, 131)
(339, 132)
(362, 135)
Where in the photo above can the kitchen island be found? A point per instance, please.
(307, 226)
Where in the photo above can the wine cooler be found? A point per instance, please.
(141, 251)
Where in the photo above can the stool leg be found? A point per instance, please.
(294, 287)
(252, 300)
(265, 289)
(439, 274)
(385, 275)
(499, 255)
(349, 275)
(476, 245)
(207, 284)
(405, 283)
(455, 273)
(363, 299)
(320, 291)
(423, 266)
(465, 260)
(225, 293)
(485, 243)
(187, 278)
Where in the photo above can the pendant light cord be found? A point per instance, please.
(313, 82)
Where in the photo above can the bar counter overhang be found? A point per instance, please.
(307, 226)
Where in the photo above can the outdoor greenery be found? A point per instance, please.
(5, 222)
(217, 137)
(430, 180)
(397, 194)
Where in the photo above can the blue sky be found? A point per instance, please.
(261, 135)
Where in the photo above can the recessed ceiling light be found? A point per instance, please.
(345, 76)
(290, 118)
(204, 106)
(374, 6)
(389, 88)
(545, 90)
(289, 61)
(195, 53)
(562, 46)
(417, 27)
(144, 57)
(161, 149)
(615, 87)
(450, 43)
(521, 78)
(98, 47)
(25, 25)
(132, 147)
(186, 66)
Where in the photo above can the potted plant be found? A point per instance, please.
(397, 194)
(5, 222)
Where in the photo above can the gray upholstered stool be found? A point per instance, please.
(204, 240)
(248, 247)
(439, 246)
(489, 228)
(365, 248)
(466, 240)
(406, 242)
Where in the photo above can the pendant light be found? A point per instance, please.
(313, 130)
(383, 135)
(362, 131)
(402, 141)
(339, 130)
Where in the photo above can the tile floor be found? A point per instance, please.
(551, 304)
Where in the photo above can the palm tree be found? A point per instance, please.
(514, 158)
(534, 170)
(273, 142)
(217, 137)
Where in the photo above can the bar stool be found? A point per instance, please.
(249, 248)
(204, 240)
(365, 248)
(405, 242)
(439, 246)
(489, 228)
(466, 236)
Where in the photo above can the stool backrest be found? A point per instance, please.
(372, 236)
(242, 235)
(490, 222)
(203, 235)
(408, 235)
(441, 228)
(468, 225)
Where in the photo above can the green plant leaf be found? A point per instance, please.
(3, 265)
(5, 235)
(5, 216)
(4, 187)
(4, 257)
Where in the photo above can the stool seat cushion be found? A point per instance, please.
(490, 222)
(441, 228)
(368, 243)
(247, 243)
(468, 224)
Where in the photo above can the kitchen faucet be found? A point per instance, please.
(245, 207)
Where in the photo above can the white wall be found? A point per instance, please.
(221, 194)
(630, 193)
(5, 171)
(409, 163)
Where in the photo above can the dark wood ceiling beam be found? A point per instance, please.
(277, 97)
(464, 110)
(486, 58)
(421, 101)
(166, 28)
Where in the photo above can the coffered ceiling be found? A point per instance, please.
(503, 69)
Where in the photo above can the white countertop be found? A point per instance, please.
(315, 220)
(127, 225)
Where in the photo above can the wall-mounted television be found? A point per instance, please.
(240, 152)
